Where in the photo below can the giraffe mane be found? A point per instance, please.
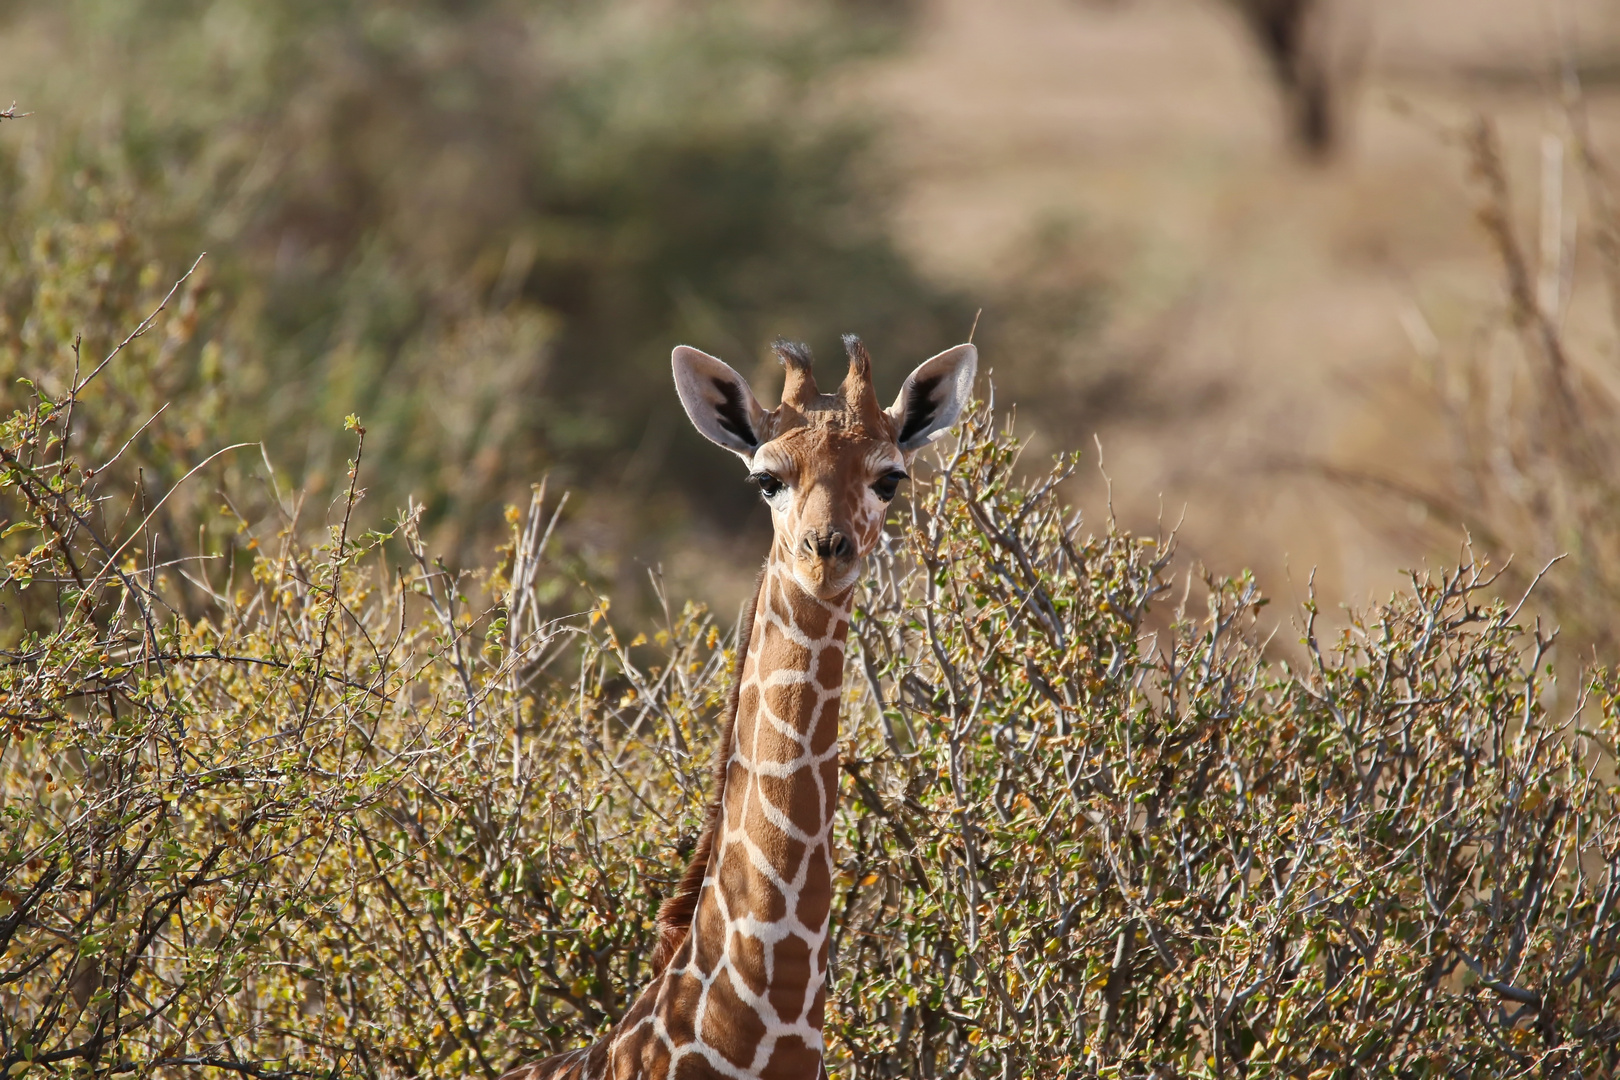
(675, 914)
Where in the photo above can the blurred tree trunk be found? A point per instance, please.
(1291, 34)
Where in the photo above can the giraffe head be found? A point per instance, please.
(827, 464)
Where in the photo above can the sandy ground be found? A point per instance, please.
(1282, 310)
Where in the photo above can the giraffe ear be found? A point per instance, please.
(933, 397)
(718, 400)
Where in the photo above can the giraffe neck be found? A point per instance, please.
(758, 942)
(745, 993)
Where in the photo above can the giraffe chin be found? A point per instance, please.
(823, 581)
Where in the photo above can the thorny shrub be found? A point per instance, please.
(1077, 847)
(346, 812)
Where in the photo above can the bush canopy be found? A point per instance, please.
(293, 809)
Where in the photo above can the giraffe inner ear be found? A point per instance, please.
(718, 400)
(933, 396)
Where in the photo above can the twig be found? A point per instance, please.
(1599, 190)
(146, 324)
(445, 611)
(1495, 216)
(337, 565)
(88, 473)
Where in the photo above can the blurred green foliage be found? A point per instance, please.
(480, 225)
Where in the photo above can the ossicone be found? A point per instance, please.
(799, 386)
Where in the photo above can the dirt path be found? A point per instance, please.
(1282, 310)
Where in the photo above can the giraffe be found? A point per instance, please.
(740, 973)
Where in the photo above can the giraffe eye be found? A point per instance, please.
(886, 486)
(769, 485)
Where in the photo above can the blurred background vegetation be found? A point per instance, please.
(480, 226)
(1234, 238)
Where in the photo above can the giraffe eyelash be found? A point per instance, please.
(886, 486)
(769, 486)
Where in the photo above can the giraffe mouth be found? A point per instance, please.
(825, 579)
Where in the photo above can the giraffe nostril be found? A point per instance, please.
(831, 544)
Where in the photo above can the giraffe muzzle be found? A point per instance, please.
(826, 545)
(826, 562)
